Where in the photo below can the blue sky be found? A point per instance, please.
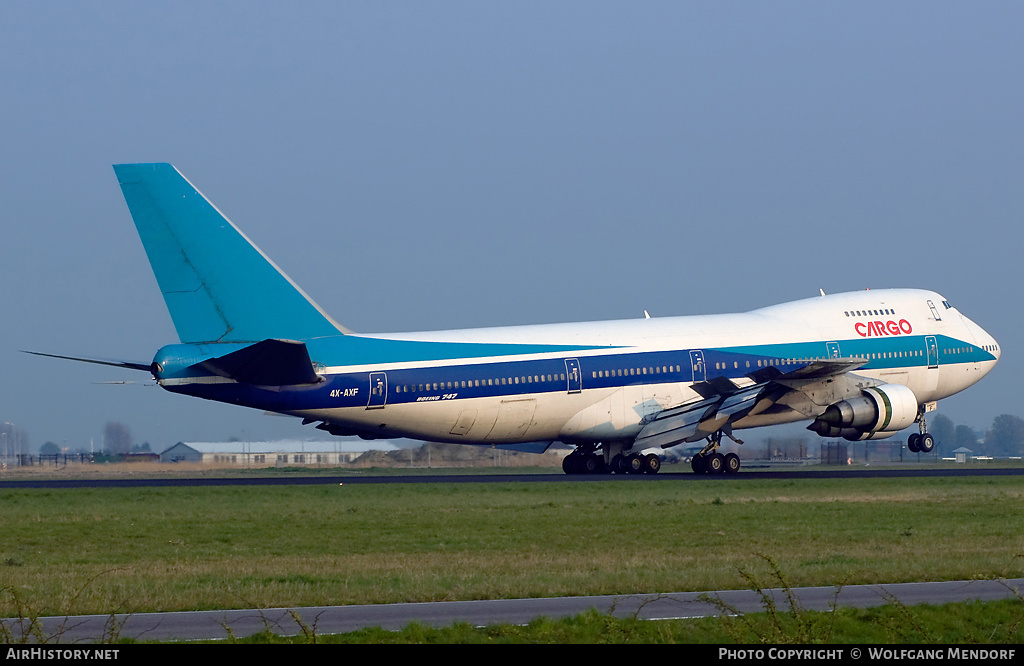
(455, 164)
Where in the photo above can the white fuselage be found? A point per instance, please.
(630, 370)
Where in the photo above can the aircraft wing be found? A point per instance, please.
(819, 369)
(723, 402)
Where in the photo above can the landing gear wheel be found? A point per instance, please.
(618, 464)
(652, 464)
(635, 464)
(697, 464)
(589, 464)
(732, 463)
(569, 463)
(924, 442)
(715, 463)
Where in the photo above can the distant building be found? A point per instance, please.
(270, 454)
(963, 454)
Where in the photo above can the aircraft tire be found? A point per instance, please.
(570, 463)
(926, 443)
(715, 463)
(652, 464)
(697, 464)
(732, 463)
(914, 443)
(618, 465)
(635, 464)
(589, 464)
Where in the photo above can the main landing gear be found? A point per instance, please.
(710, 461)
(921, 442)
(586, 460)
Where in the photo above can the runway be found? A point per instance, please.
(322, 620)
(439, 476)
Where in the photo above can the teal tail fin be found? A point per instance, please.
(218, 286)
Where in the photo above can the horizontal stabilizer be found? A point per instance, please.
(146, 367)
(266, 363)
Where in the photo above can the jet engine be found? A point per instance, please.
(878, 411)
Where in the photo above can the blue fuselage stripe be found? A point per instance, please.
(530, 376)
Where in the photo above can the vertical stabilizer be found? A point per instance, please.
(218, 286)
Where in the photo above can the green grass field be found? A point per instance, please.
(152, 549)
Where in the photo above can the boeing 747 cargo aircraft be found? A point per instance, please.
(858, 365)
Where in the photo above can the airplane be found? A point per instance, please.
(858, 365)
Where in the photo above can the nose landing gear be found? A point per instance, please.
(921, 442)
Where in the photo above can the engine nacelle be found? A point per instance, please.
(879, 411)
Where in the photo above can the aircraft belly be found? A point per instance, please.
(593, 415)
(515, 416)
(621, 413)
(470, 421)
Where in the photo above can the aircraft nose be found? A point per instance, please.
(984, 339)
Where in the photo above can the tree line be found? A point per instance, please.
(1004, 438)
(117, 440)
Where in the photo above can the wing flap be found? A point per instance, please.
(698, 419)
